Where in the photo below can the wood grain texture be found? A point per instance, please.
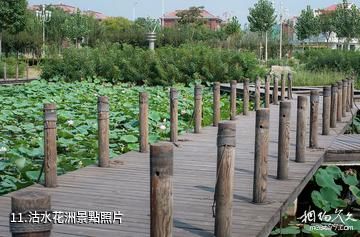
(283, 87)
(275, 94)
(257, 93)
(197, 108)
(174, 101)
(333, 106)
(301, 122)
(284, 140)
(144, 121)
(314, 115)
(339, 103)
(50, 149)
(344, 97)
(290, 83)
(216, 104)
(103, 131)
(267, 91)
(233, 100)
(246, 97)
(326, 110)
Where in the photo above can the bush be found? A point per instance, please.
(11, 68)
(166, 66)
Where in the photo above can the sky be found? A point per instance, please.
(153, 8)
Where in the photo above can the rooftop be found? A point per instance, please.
(204, 14)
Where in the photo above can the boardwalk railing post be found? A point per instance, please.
(226, 142)
(283, 87)
(246, 97)
(333, 107)
(267, 91)
(339, 102)
(348, 98)
(284, 140)
(233, 100)
(344, 98)
(103, 131)
(352, 94)
(197, 108)
(290, 96)
(257, 93)
(22, 203)
(161, 190)
(173, 115)
(301, 129)
(216, 104)
(144, 122)
(314, 112)
(275, 95)
(5, 71)
(50, 150)
(261, 155)
(326, 110)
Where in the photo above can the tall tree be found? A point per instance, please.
(347, 21)
(326, 24)
(76, 27)
(12, 17)
(262, 18)
(191, 16)
(307, 24)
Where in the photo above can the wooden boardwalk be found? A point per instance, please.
(345, 148)
(125, 186)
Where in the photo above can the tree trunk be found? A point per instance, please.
(266, 46)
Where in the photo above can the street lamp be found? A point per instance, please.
(43, 16)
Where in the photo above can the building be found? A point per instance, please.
(212, 21)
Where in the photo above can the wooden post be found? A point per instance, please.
(348, 97)
(351, 93)
(284, 140)
(339, 103)
(301, 129)
(246, 97)
(144, 122)
(333, 110)
(326, 110)
(5, 72)
(103, 131)
(261, 155)
(216, 104)
(257, 93)
(233, 100)
(314, 112)
(17, 71)
(226, 142)
(283, 87)
(173, 115)
(267, 91)
(198, 108)
(275, 95)
(21, 224)
(161, 190)
(344, 98)
(50, 150)
(27, 72)
(290, 82)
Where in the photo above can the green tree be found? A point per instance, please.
(307, 24)
(262, 18)
(115, 27)
(191, 16)
(326, 24)
(12, 17)
(76, 27)
(347, 21)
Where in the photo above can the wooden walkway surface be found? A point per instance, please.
(346, 148)
(125, 186)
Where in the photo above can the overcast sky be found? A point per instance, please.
(153, 8)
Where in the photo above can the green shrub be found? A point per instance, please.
(11, 68)
(166, 66)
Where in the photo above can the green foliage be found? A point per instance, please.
(327, 24)
(191, 16)
(76, 27)
(319, 77)
(12, 15)
(262, 16)
(168, 65)
(347, 21)
(11, 67)
(21, 123)
(307, 24)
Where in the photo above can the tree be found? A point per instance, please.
(76, 27)
(12, 17)
(326, 24)
(115, 27)
(191, 16)
(307, 24)
(347, 21)
(262, 18)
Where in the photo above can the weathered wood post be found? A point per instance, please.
(283, 87)
(198, 108)
(344, 98)
(348, 99)
(257, 93)
(352, 94)
(233, 100)
(5, 71)
(103, 131)
(173, 115)
(326, 110)
(314, 112)
(17, 71)
(246, 97)
(261, 155)
(144, 122)
(339, 102)
(284, 140)
(21, 224)
(275, 95)
(50, 151)
(267, 91)
(333, 110)
(226, 142)
(161, 190)
(302, 103)
(216, 104)
(290, 82)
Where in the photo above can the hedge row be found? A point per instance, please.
(167, 65)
